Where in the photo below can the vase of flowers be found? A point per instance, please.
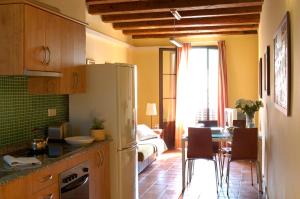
(249, 107)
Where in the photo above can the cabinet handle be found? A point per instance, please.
(49, 55)
(77, 80)
(74, 80)
(45, 55)
(49, 196)
(101, 158)
(46, 178)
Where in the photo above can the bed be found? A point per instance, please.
(150, 145)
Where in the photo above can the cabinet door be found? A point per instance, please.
(51, 192)
(11, 39)
(79, 76)
(100, 182)
(16, 189)
(79, 44)
(35, 50)
(67, 43)
(53, 42)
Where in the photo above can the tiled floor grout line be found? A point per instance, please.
(162, 180)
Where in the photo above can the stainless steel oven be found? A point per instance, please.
(74, 183)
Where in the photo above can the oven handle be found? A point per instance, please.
(77, 183)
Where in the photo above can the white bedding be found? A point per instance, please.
(158, 144)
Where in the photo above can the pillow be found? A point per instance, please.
(143, 132)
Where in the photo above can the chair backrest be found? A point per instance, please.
(239, 123)
(244, 144)
(209, 123)
(199, 143)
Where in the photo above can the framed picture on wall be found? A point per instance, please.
(268, 68)
(282, 66)
(265, 72)
(260, 77)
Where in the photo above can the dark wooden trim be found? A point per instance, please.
(170, 125)
(166, 5)
(268, 68)
(161, 50)
(184, 14)
(260, 77)
(209, 21)
(190, 34)
(191, 29)
(93, 2)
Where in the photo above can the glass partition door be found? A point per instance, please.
(167, 94)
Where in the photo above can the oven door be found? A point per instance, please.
(78, 189)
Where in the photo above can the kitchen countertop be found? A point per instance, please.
(8, 173)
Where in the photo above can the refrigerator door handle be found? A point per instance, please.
(128, 148)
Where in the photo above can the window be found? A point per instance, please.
(203, 71)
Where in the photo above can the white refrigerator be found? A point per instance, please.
(111, 95)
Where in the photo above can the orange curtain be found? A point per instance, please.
(222, 83)
(181, 92)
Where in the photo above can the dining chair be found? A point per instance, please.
(216, 145)
(200, 147)
(239, 123)
(244, 147)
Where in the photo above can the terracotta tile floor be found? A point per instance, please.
(162, 180)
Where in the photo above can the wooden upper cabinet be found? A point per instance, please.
(11, 39)
(73, 80)
(53, 42)
(37, 40)
(35, 49)
(42, 40)
(79, 44)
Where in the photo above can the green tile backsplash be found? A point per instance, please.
(20, 112)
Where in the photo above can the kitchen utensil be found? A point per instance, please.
(58, 131)
(39, 144)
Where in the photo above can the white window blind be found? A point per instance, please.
(203, 67)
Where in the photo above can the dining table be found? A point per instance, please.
(219, 134)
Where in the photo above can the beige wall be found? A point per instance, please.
(281, 133)
(242, 61)
(242, 58)
(107, 50)
(147, 61)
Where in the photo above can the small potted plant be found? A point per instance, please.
(97, 130)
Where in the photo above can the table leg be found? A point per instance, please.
(183, 163)
(258, 172)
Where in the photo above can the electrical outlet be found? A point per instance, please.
(52, 112)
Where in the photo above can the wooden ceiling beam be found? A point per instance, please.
(194, 22)
(184, 14)
(193, 34)
(92, 2)
(165, 5)
(191, 29)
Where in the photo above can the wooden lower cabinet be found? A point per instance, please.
(44, 184)
(99, 173)
(16, 189)
(51, 192)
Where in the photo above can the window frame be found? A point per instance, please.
(207, 48)
(161, 75)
